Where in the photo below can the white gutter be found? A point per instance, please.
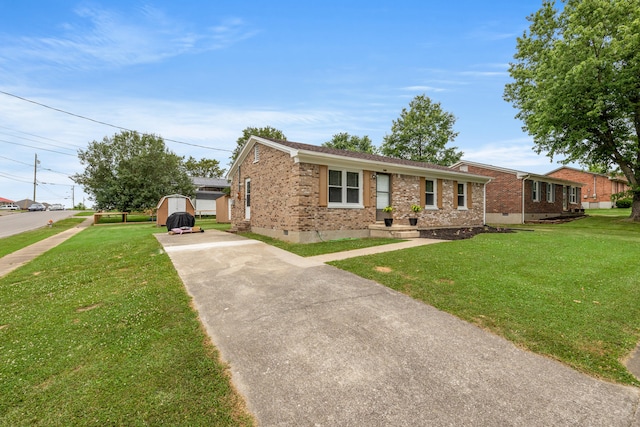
(484, 210)
(524, 178)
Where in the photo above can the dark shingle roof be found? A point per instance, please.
(357, 155)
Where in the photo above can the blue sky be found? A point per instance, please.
(201, 71)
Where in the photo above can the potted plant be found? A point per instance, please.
(415, 209)
(388, 221)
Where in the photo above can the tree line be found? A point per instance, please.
(575, 84)
(132, 171)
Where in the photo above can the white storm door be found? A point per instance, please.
(247, 198)
(383, 194)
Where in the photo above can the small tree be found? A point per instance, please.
(421, 134)
(206, 168)
(576, 84)
(344, 141)
(130, 171)
(265, 132)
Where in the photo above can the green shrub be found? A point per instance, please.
(624, 203)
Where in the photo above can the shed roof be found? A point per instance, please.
(173, 196)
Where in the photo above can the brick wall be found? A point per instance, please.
(405, 191)
(285, 199)
(504, 192)
(597, 184)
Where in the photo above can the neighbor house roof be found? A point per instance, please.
(619, 178)
(519, 174)
(200, 181)
(324, 155)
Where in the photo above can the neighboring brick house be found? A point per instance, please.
(306, 193)
(515, 197)
(598, 187)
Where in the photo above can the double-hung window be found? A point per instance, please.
(345, 188)
(462, 195)
(535, 191)
(430, 194)
(551, 192)
(573, 195)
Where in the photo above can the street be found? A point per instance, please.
(17, 222)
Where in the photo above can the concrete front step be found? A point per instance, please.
(396, 231)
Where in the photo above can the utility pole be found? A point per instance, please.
(35, 182)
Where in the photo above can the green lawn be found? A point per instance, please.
(568, 291)
(18, 241)
(319, 248)
(100, 331)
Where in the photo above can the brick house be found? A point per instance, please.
(306, 193)
(515, 197)
(598, 187)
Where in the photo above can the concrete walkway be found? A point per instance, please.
(311, 345)
(14, 260)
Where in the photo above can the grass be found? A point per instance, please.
(609, 212)
(18, 241)
(568, 291)
(100, 331)
(312, 249)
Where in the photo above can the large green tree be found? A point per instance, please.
(131, 171)
(422, 133)
(265, 132)
(206, 168)
(576, 84)
(344, 141)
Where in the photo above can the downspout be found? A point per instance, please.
(484, 202)
(524, 179)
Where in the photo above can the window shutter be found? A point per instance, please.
(366, 189)
(455, 194)
(469, 195)
(423, 192)
(439, 194)
(324, 186)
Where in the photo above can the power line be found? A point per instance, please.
(105, 123)
(14, 178)
(39, 142)
(37, 148)
(17, 161)
(39, 136)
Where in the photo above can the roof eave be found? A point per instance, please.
(386, 167)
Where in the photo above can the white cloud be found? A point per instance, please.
(105, 38)
(515, 154)
(424, 89)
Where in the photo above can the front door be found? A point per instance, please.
(247, 198)
(383, 194)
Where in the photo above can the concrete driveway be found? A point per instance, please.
(311, 345)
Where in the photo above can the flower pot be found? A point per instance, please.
(388, 222)
(413, 221)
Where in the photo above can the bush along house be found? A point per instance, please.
(305, 193)
(517, 197)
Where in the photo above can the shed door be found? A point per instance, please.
(177, 204)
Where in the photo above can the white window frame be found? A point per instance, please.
(551, 192)
(343, 186)
(535, 191)
(573, 195)
(435, 194)
(462, 206)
